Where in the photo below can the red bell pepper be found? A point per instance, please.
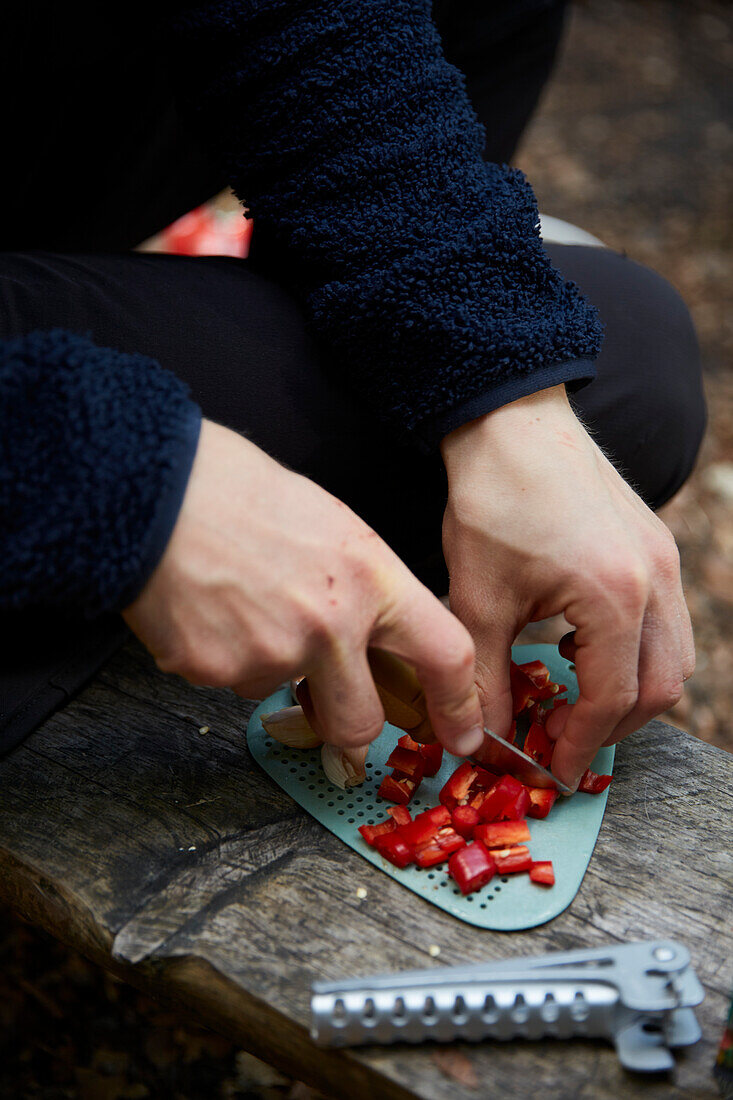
(465, 818)
(502, 834)
(407, 742)
(425, 826)
(510, 861)
(432, 754)
(407, 763)
(393, 848)
(394, 789)
(432, 757)
(371, 832)
(467, 782)
(538, 745)
(517, 808)
(590, 783)
(445, 841)
(399, 814)
(456, 788)
(471, 868)
(523, 690)
(541, 801)
(500, 795)
(542, 871)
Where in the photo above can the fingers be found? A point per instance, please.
(608, 640)
(433, 641)
(340, 700)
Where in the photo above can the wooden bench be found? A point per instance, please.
(167, 856)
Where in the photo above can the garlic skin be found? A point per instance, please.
(290, 727)
(345, 768)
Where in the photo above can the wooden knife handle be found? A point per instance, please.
(399, 692)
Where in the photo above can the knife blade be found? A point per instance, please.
(497, 755)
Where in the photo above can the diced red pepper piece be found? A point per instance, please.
(432, 757)
(371, 832)
(590, 783)
(407, 742)
(517, 808)
(510, 861)
(537, 671)
(445, 841)
(408, 763)
(393, 848)
(541, 801)
(425, 826)
(502, 834)
(538, 745)
(399, 814)
(456, 788)
(502, 793)
(471, 868)
(394, 789)
(432, 754)
(465, 818)
(467, 781)
(523, 690)
(542, 871)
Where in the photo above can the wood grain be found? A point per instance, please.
(169, 857)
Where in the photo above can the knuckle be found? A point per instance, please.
(664, 697)
(624, 700)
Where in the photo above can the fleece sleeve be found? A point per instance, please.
(353, 143)
(96, 447)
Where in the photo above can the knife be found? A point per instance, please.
(405, 706)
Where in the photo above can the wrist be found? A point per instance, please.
(528, 421)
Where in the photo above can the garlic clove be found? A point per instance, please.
(344, 767)
(290, 727)
(293, 686)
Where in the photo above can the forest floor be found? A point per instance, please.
(634, 142)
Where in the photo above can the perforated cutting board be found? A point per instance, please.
(507, 903)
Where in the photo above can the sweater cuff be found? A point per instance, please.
(575, 374)
(168, 506)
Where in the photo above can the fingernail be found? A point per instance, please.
(469, 742)
(573, 787)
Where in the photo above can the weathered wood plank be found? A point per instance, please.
(169, 857)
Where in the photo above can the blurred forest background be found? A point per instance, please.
(634, 142)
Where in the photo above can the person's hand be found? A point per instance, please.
(539, 523)
(266, 576)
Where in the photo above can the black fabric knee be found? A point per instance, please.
(646, 407)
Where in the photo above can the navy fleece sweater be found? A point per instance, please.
(419, 266)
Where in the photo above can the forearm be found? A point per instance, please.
(357, 151)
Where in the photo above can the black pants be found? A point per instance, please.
(240, 342)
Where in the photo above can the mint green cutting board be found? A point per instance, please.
(507, 903)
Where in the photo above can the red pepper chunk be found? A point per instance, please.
(409, 764)
(517, 808)
(437, 850)
(538, 745)
(371, 832)
(425, 826)
(394, 789)
(523, 690)
(541, 801)
(542, 871)
(456, 788)
(499, 796)
(393, 848)
(465, 819)
(399, 814)
(510, 861)
(471, 868)
(590, 783)
(432, 758)
(502, 834)
(432, 754)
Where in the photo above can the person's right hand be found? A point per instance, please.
(266, 576)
